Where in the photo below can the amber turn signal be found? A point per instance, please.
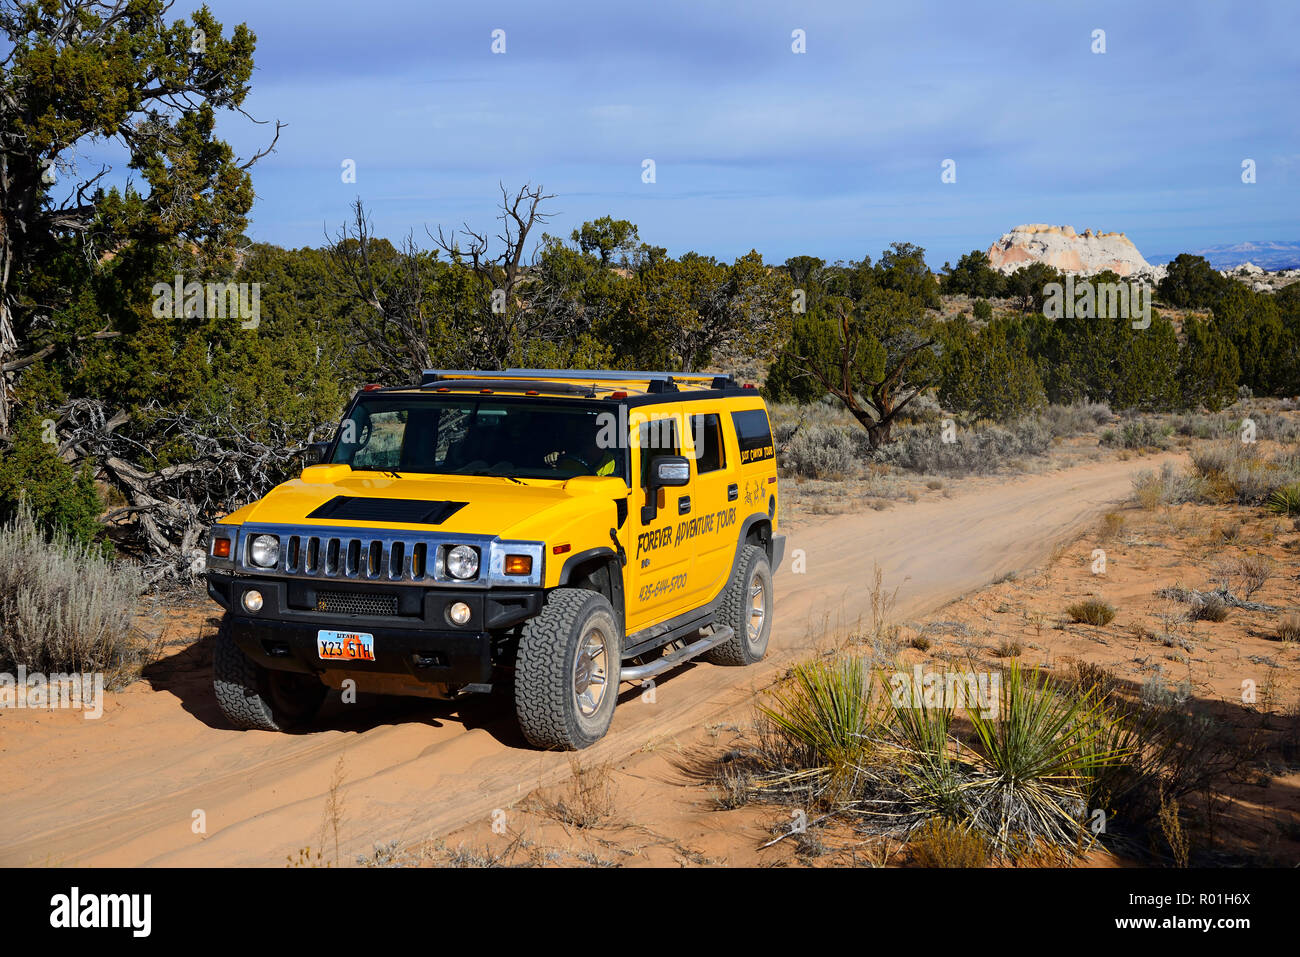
(519, 564)
(221, 548)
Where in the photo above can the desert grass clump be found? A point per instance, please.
(64, 607)
(941, 843)
(587, 799)
(1092, 611)
(1022, 779)
(1010, 648)
(1063, 421)
(1288, 628)
(1090, 678)
(1209, 607)
(1166, 487)
(1112, 525)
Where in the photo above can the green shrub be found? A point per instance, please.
(987, 373)
(59, 497)
(980, 450)
(64, 607)
(1236, 471)
(1138, 434)
(821, 452)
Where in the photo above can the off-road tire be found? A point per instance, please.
(734, 611)
(255, 698)
(546, 702)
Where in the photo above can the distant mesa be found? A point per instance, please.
(1266, 255)
(1064, 249)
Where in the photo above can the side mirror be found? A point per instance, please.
(665, 470)
(317, 451)
(668, 471)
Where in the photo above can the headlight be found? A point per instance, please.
(462, 562)
(264, 550)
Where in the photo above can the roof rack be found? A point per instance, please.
(499, 383)
(656, 382)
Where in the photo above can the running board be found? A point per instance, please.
(719, 636)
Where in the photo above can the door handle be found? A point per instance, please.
(683, 505)
(733, 492)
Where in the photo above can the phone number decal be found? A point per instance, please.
(664, 586)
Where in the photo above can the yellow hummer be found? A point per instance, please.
(539, 532)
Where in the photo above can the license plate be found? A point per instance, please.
(345, 645)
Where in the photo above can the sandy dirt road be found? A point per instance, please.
(127, 789)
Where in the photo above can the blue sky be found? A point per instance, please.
(835, 152)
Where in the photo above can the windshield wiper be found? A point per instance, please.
(491, 474)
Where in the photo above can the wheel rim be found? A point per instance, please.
(757, 608)
(591, 671)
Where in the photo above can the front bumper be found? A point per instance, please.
(418, 640)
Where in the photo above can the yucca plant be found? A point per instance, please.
(1285, 500)
(921, 736)
(826, 716)
(1040, 756)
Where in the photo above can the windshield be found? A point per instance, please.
(472, 436)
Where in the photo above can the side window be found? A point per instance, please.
(706, 430)
(754, 435)
(658, 437)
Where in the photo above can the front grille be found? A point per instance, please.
(345, 556)
(356, 603)
(332, 555)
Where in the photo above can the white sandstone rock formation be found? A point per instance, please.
(1061, 247)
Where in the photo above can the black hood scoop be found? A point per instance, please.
(412, 511)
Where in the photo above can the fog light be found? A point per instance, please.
(253, 600)
(458, 613)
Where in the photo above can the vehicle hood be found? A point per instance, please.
(479, 505)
